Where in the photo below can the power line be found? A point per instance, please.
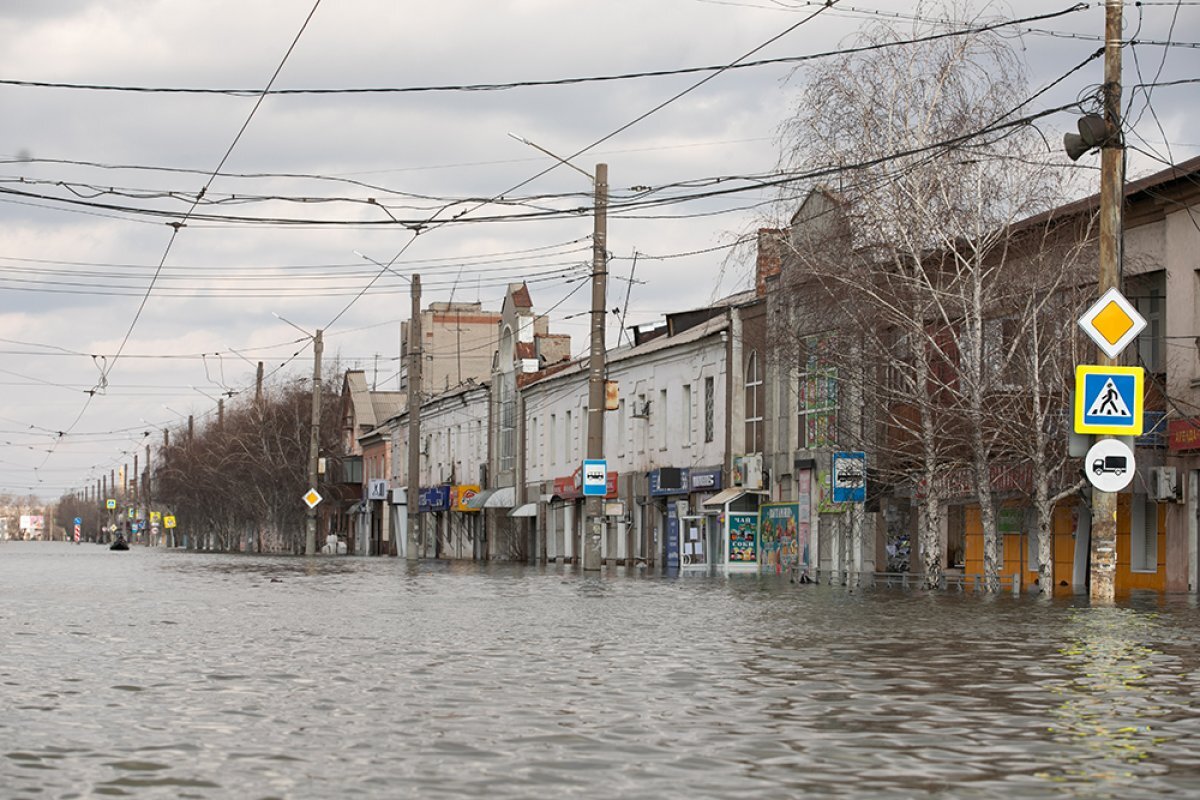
(492, 87)
(178, 225)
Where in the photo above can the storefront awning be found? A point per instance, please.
(503, 497)
(492, 498)
(478, 499)
(724, 496)
(527, 510)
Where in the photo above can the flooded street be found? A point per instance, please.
(154, 673)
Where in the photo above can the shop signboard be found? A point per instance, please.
(461, 494)
(782, 537)
(706, 479)
(570, 487)
(743, 538)
(657, 488)
(433, 498)
(1183, 435)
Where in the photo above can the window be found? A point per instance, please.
(533, 441)
(621, 425)
(999, 340)
(1150, 343)
(552, 445)
(817, 397)
(709, 403)
(754, 405)
(662, 419)
(1143, 539)
(686, 409)
(508, 420)
(568, 436)
(639, 408)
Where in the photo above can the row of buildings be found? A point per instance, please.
(720, 435)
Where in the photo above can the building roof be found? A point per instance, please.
(705, 329)
(370, 408)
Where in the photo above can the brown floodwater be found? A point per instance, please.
(156, 673)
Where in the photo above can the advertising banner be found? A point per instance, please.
(782, 537)
(743, 538)
(460, 494)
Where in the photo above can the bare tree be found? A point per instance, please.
(930, 189)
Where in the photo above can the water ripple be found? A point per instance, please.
(289, 677)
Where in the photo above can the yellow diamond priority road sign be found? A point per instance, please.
(311, 498)
(1112, 323)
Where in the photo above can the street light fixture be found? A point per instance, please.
(596, 369)
(415, 351)
(310, 533)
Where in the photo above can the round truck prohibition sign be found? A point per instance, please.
(1109, 465)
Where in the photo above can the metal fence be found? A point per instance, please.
(909, 580)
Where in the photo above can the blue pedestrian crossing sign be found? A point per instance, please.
(1108, 400)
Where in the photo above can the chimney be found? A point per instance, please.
(770, 258)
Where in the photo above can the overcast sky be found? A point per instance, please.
(76, 264)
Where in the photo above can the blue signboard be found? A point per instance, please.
(433, 498)
(849, 477)
(707, 479)
(1154, 430)
(656, 481)
(78, 520)
(595, 477)
(1108, 400)
(672, 543)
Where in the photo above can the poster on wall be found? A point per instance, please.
(825, 504)
(782, 537)
(743, 538)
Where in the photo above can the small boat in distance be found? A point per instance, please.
(119, 544)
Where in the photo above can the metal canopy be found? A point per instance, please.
(724, 496)
(503, 497)
(527, 510)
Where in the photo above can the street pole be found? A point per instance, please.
(1112, 179)
(310, 538)
(595, 421)
(414, 422)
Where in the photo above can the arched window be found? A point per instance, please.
(754, 404)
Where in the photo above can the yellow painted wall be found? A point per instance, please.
(1126, 578)
(1016, 547)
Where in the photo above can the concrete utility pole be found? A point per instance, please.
(1112, 185)
(314, 439)
(414, 421)
(595, 421)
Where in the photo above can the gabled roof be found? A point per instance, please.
(370, 408)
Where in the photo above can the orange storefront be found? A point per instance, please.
(1148, 552)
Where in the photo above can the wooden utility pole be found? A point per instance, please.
(314, 439)
(415, 350)
(1112, 185)
(595, 421)
(258, 381)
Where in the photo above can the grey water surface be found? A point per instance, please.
(156, 673)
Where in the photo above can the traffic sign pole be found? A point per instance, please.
(1103, 563)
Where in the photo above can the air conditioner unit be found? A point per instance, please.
(1164, 484)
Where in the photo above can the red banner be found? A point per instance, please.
(1183, 434)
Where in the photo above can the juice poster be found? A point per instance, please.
(782, 537)
(743, 538)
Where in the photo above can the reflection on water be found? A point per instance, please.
(160, 674)
(1119, 691)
